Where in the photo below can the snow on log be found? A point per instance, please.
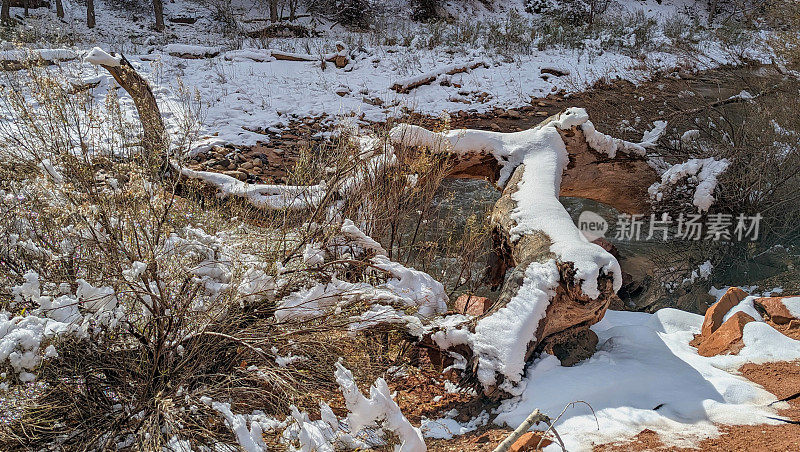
(191, 52)
(405, 86)
(260, 195)
(561, 283)
(13, 60)
(338, 58)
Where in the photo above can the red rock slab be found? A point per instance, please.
(472, 304)
(529, 441)
(727, 339)
(776, 310)
(716, 313)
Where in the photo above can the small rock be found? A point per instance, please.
(473, 305)
(247, 165)
(242, 176)
(558, 72)
(495, 127)
(717, 311)
(342, 91)
(257, 162)
(542, 113)
(513, 114)
(727, 338)
(529, 441)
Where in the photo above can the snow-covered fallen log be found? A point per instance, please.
(13, 60)
(561, 283)
(404, 86)
(187, 51)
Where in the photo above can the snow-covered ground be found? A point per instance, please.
(645, 375)
(243, 89)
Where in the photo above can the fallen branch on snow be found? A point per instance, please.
(406, 85)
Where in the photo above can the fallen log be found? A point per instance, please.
(560, 283)
(406, 85)
(14, 60)
(191, 52)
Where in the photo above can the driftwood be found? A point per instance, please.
(339, 59)
(564, 332)
(16, 60)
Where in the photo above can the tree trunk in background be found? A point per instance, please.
(27, 7)
(155, 140)
(273, 10)
(5, 15)
(158, 9)
(90, 13)
(59, 9)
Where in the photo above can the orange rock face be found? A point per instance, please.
(473, 305)
(776, 309)
(717, 311)
(528, 441)
(727, 339)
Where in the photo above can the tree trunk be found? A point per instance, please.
(155, 140)
(5, 14)
(158, 9)
(273, 10)
(564, 329)
(90, 13)
(60, 9)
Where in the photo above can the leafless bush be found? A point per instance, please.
(759, 138)
(163, 295)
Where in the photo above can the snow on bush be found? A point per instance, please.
(701, 172)
(379, 407)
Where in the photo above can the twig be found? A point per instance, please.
(550, 426)
(534, 418)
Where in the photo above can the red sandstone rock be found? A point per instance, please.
(727, 339)
(528, 441)
(776, 309)
(473, 305)
(717, 311)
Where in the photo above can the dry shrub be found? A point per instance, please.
(759, 138)
(88, 214)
